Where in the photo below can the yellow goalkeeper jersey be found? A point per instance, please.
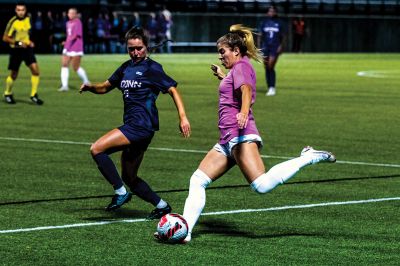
(18, 29)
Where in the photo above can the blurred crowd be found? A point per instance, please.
(103, 33)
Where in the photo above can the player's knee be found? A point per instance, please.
(200, 179)
(264, 183)
(95, 149)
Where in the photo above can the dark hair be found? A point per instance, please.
(20, 4)
(137, 33)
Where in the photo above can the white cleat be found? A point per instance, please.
(271, 92)
(318, 156)
(63, 89)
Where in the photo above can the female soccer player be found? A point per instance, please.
(240, 141)
(73, 50)
(140, 80)
(272, 35)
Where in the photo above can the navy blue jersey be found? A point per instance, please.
(272, 31)
(140, 84)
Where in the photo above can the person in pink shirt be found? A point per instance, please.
(240, 141)
(73, 50)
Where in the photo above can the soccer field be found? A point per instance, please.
(53, 197)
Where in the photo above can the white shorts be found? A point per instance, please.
(226, 149)
(71, 53)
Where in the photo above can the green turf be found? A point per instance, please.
(320, 101)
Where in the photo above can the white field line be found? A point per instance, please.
(323, 204)
(190, 151)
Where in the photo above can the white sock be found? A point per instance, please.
(196, 199)
(120, 191)
(279, 174)
(64, 77)
(161, 204)
(82, 74)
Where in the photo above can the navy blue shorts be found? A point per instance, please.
(270, 50)
(136, 135)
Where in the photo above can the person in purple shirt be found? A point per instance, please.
(240, 140)
(73, 50)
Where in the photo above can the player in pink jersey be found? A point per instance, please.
(73, 50)
(239, 138)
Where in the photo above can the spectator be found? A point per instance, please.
(298, 33)
(49, 30)
(39, 32)
(151, 28)
(90, 35)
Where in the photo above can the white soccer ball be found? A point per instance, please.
(172, 228)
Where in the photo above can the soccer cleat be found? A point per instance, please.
(158, 213)
(119, 200)
(318, 156)
(35, 99)
(63, 89)
(9, 99)
(271, 92)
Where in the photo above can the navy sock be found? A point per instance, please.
(272, 77)
(143, 191)
(107, 168)
(268, 77)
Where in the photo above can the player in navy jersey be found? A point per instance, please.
(140, 80)
(272, 36)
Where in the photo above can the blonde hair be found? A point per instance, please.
(242, 37)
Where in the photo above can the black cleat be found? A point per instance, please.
(119, 200)
(158, 213)
(9, 99)
(35, 99)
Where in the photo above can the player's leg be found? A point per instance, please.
(248, 159)
(131, 159)
(270, 69)
(8, 94)
(100, 150)
(14, 63)
(34, 68)
(64, 72)
(76, 66)
(213, 166)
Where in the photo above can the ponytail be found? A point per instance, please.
(242, 37)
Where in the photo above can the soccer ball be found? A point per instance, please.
(172, 228)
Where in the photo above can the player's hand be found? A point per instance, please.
(184, 127)
(217, 71)
(31, 44)
(242, 120)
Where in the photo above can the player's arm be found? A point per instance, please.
(97, 88)
(243, 116)
(184, 124)
(11, 40)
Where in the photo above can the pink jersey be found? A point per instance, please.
(230, 101)
(74, 42)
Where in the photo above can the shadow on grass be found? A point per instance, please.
(210, 188)
(223, 228)
(117, 214)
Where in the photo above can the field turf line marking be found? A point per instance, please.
(190, 151)
(304, 206)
